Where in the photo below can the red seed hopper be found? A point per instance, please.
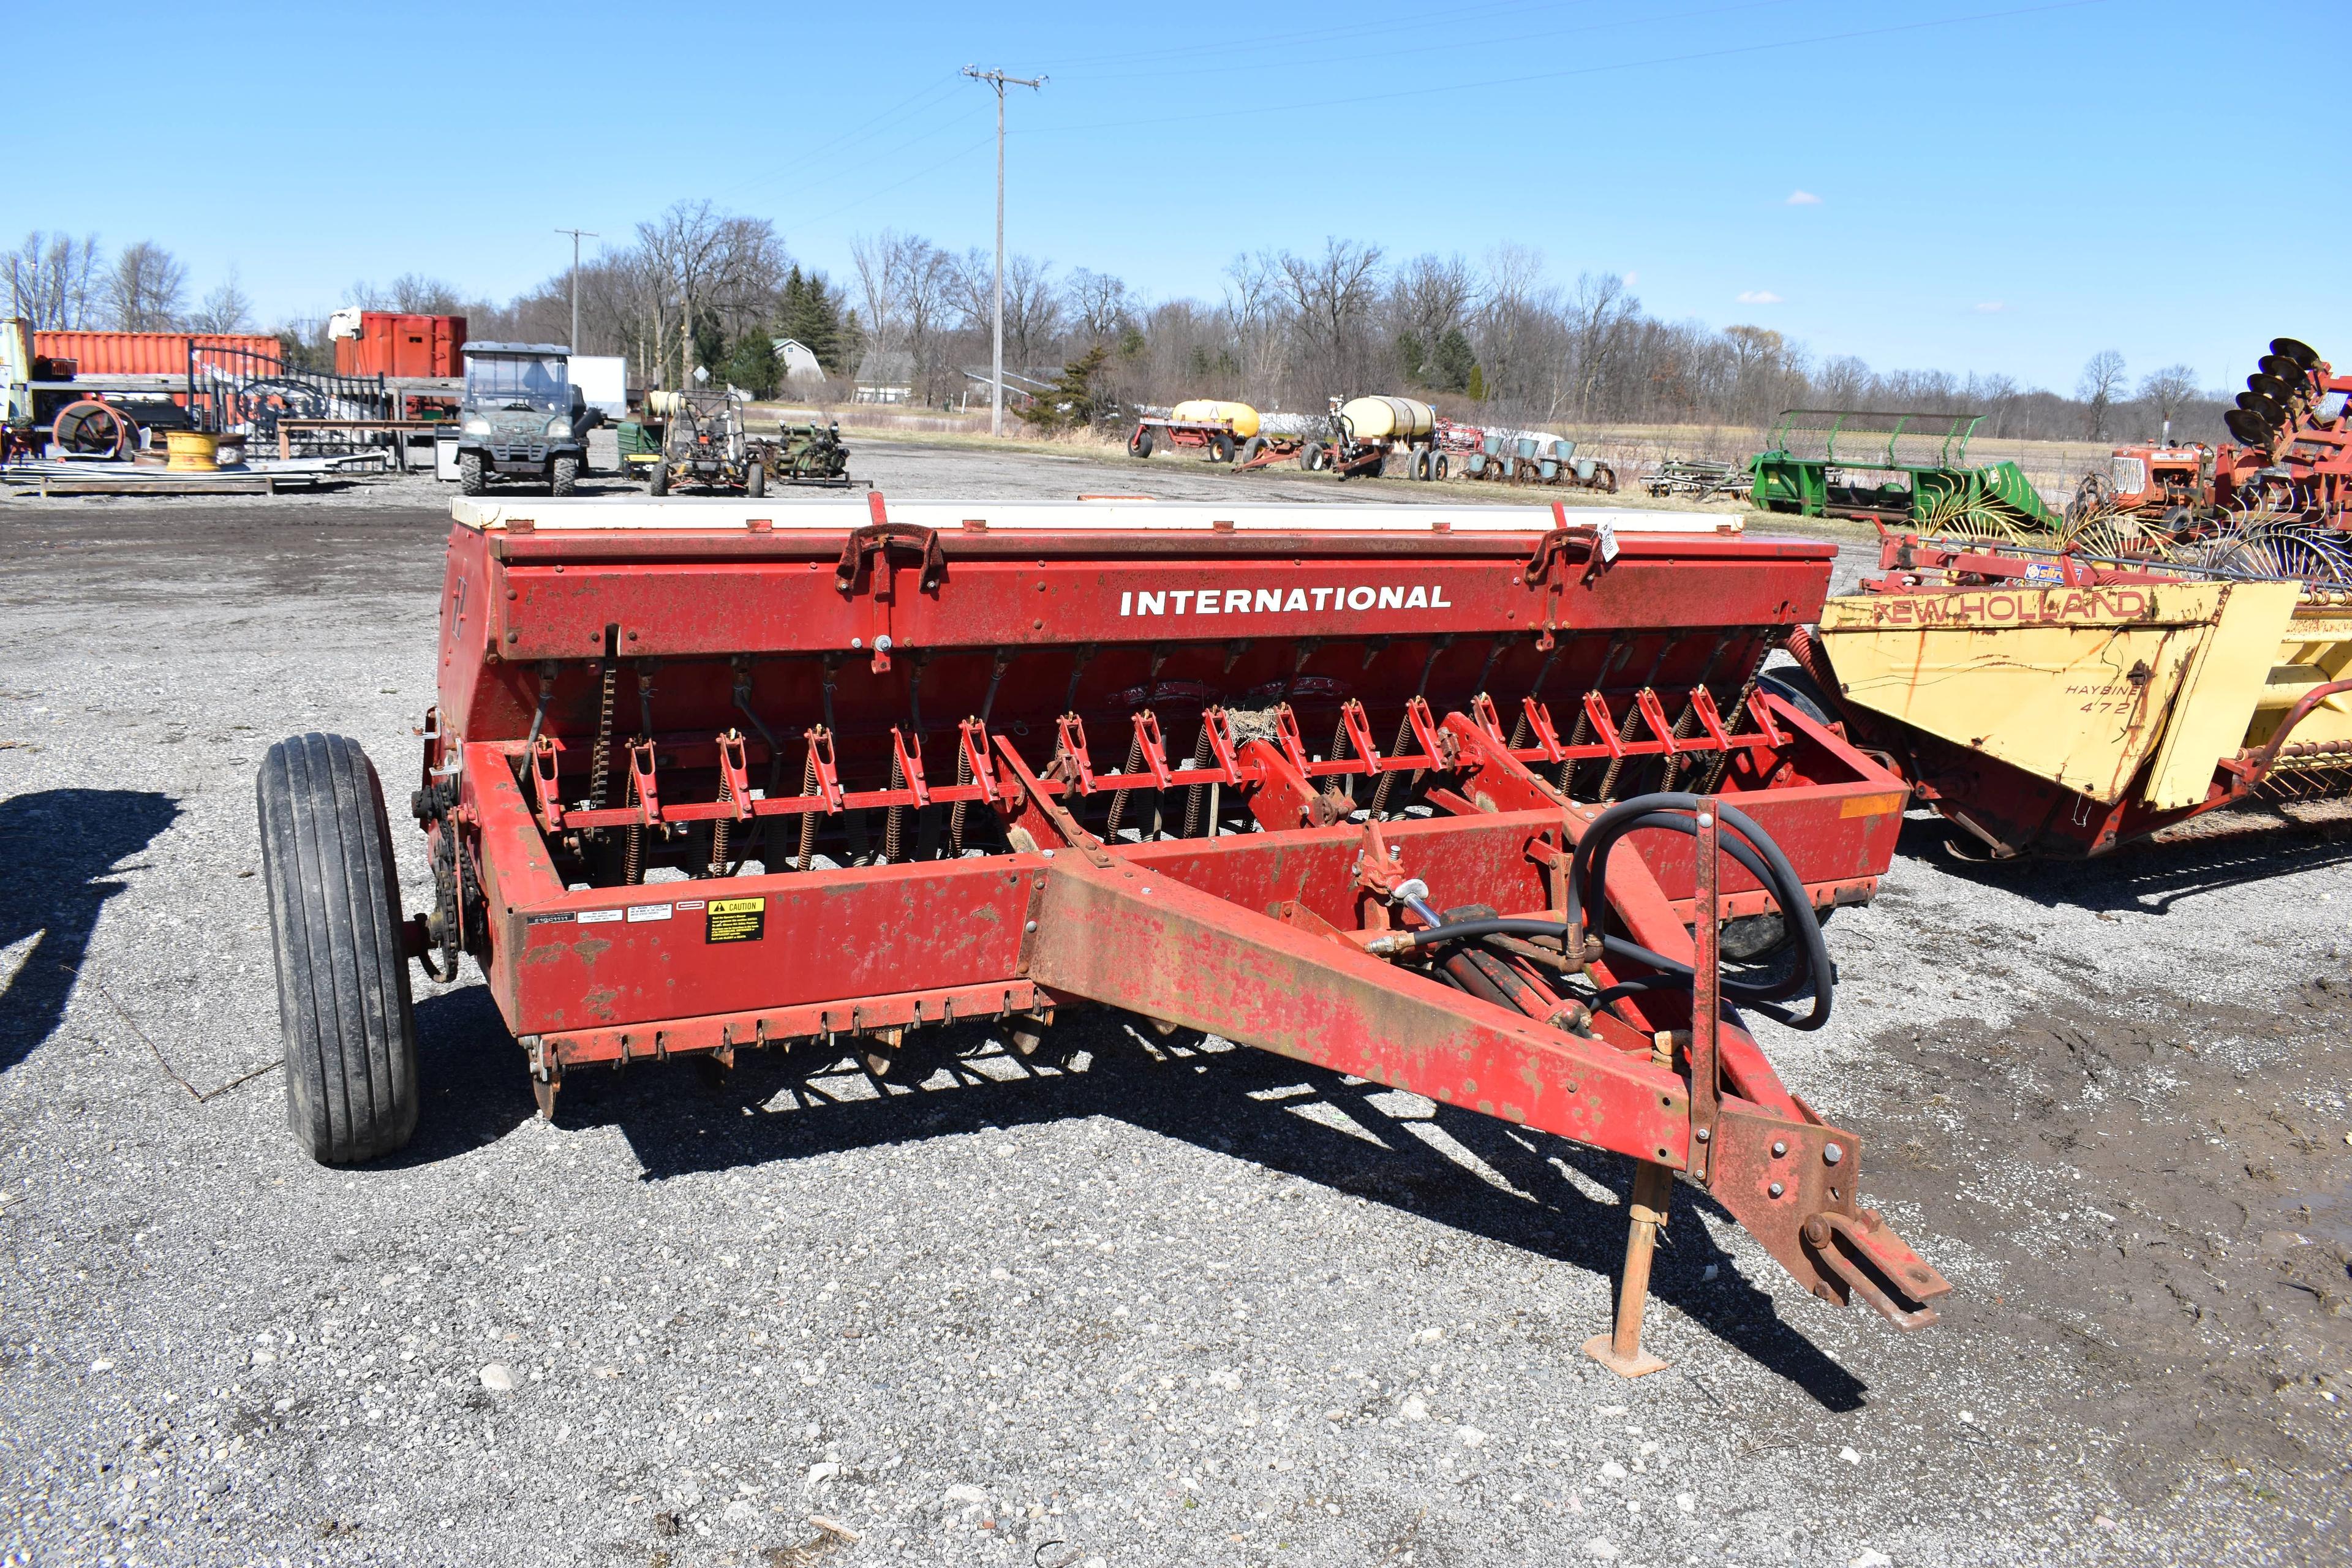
(1468, 800)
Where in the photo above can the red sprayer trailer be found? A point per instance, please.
(709, 777)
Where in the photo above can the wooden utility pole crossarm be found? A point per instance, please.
(999, 81)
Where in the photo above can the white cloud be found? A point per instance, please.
(1758, 297)
(1990, 308)
(1803, 199)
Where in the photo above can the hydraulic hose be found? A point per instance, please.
(1678, 812)
(1747, 842)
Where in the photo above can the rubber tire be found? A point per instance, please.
(344, 1003)
(755, 483)
(1376, 468)
(471, 478)
(564, 476)
(660, 482)
(1221, 448)
(1252, 450)
(1439, 468)
(1140, 444)
(1310, 456)
(1604, 478)
(1791, 685)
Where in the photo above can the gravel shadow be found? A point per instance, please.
(58, 846)
(2146, 877)
(681, 1122)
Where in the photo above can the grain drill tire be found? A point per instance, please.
(1439, 466)
(343, 1005)
(564, 476)
(660, 482)
(1604, 477)
(470, 476)
(1310, 457)
(755, 483)
(1791, 685)
(1252, 450)
(1221, 448)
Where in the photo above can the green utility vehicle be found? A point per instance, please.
(521, 417)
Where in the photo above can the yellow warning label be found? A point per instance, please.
(735, 920)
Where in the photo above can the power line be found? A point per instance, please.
(1490, 84)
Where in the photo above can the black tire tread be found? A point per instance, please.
(344, 1006)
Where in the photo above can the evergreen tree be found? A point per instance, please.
(1477, 387)
(753, 365)
(1077, 397)
(1412, 359)
(1455, 364)
(811, 315)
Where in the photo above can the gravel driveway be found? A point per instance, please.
(1130, 1302)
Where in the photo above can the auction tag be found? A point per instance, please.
(735, 920)
(1608, 533)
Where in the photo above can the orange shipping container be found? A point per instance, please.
(390, 343)
(142, 354)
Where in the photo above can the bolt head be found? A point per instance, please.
(1031, 926)
(1705, 820)
(1832, 1154)
(883, 642)
(1703, 1135)
(1778, 1148)
(857, 642)
(1775, 1189)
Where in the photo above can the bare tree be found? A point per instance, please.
(1600, 313)
(1098, 303)
(2168, 391)
(2103, 377)
(224, 310)
(144, 288)
(1253, 315)
(1428, 298)
(51, 281)
(1331, 298)
(710, 266)
(1032, 308)
(909, 287)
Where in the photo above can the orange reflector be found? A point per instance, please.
(1872, 804)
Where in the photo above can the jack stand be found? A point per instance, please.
(1621, 1351)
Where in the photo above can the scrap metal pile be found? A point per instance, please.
(1468, 801)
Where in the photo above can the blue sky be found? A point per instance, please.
(1969, 184)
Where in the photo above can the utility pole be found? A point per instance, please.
(999, 81)
(575, 233)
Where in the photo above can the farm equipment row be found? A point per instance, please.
(807, 777)
(1361, 435)
(697, 439)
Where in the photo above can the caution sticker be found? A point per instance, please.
(736, 920)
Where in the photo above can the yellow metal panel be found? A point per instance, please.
(2217, 697)
(2072, 684)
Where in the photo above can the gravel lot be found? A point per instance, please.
(1135, 1302)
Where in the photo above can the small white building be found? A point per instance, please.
(886, 375)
